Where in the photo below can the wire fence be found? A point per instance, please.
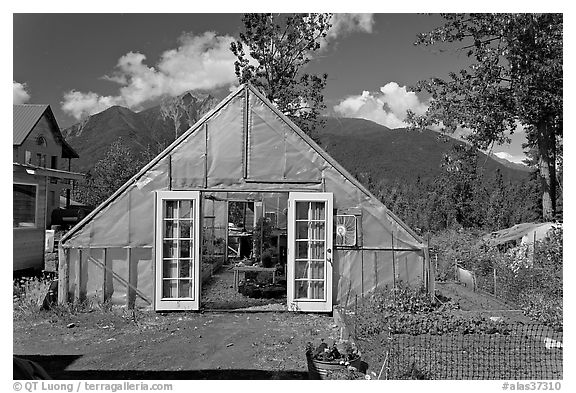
(525, 352)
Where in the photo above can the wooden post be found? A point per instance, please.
(63, 273)
(393, 263)
(169, 171)
(362, 274)
(494, 280)
(130, 292)
(104, 275)
(78, 277)
(375, 270)
(206, 156)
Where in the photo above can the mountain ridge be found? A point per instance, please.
(361, 146)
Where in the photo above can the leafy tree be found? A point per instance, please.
(110, 173)
(515, 78)
(281, 45)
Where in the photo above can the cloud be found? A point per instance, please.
(512, 158)
(348, 23)
(344, 24)
(21, 96)
(199, 62)
(79, 104)
(387, 107)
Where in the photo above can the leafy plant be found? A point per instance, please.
(28, 295)
(281, 46)
(341, 352)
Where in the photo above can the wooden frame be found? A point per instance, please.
(310, 305)
(188, 303)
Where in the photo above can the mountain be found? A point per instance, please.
(361, 146)
(510, 164)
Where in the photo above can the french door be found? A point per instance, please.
(177, 250)
(310, 253)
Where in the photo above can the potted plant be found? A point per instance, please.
(323, 359)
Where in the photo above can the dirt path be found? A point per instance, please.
(109, 345)
(218, 294)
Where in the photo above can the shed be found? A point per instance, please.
(145, 245)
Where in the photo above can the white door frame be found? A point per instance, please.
(186, 303)
(310, 305)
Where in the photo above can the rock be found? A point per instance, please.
(71, 325)
(229, 345)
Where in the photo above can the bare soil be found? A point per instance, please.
(147, 345)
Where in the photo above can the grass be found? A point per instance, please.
(30, 303)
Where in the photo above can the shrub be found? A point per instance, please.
(28, 295)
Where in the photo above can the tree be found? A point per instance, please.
(515, 78)
(281, 45)
(110, 173)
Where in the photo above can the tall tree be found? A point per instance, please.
(281, 46)
(515, 78)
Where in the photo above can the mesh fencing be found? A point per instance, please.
(526, 352)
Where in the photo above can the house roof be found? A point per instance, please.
(26, 116)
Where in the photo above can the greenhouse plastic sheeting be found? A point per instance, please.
(275, 152)
(188, 161)
(359, 272)
(142, 276)
(214, 156)
(127, 219)
(225, 145)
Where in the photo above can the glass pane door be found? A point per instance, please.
(310, 243)
(177, 253)
(310, 252)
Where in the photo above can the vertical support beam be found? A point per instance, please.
(63, 273)
(226, 230)
(170, 171)
(205, 155)
(362, 274)
(375, 270)
(104, 274)
(393, 263)
(132, 274)
(78, 278)
(245, 131)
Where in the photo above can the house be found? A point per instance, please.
(41, 173)
(144, 246)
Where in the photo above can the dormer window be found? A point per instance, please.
(41, 141)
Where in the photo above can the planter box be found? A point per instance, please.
(318, 369)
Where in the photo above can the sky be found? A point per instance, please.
(82, 64)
